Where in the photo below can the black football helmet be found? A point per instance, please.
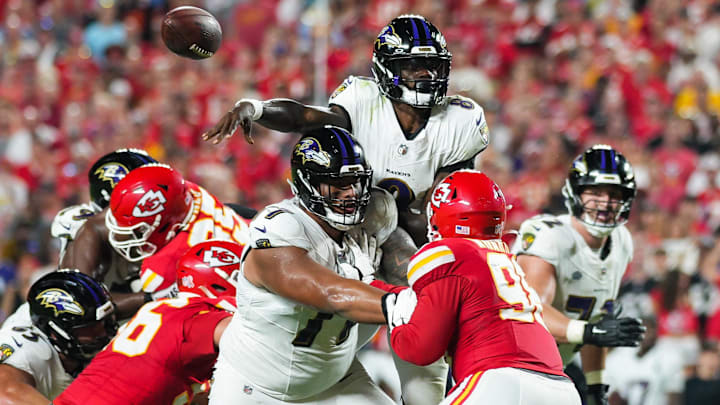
(109, 170)
(330, 155)
(66, 300)
(597, 166)
(411, 42)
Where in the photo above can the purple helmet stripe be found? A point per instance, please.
(416, 34)
(612, 159)
(92, 290)
(343, 149)
(427, 30)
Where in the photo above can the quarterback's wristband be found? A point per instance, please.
(575, 330)
(257, 107)
(595, 377)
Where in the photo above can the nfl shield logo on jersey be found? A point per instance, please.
(248, 389)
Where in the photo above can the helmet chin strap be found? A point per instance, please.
(595, 230)
(414, 97)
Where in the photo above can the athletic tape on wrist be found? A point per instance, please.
(575, 330)
(595, 377)
(257, 106)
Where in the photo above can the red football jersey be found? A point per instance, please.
(162, 356)
(474, 303)
(210, 220)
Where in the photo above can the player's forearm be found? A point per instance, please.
(593, 358)
(415, 225)
(397, 251)
(127, 304)
(355, 301)
(556, 322)
(15, 393)
(286, 115)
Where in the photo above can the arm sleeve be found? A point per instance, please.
(427, 336)
(198, 348)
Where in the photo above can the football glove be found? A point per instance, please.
(398, 308)
(611, 331)
(597, 394)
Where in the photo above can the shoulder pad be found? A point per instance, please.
(381, 217)
(276, 226)
(544, 236)
(427, 259)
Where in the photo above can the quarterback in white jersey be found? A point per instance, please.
(455, 132)
(412, 133)
(304, 286)
(576, 262)
(48, 340)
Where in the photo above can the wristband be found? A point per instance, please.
(575, 330)
(595, 377)
(148, 297)
(257, 107)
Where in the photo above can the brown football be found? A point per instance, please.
(191, 32)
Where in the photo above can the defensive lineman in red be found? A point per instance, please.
(165, 354)
(469, 297)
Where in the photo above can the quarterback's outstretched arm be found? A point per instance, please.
(290, 272)
(18, 388)
(280, 114)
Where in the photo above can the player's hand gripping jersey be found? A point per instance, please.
(586, 283)
(162, 356)
(290, 351)
(455, 132)
(210, 220)
(498, 320)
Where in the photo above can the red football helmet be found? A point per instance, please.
(210, 269)
(466, 204)
(147, 209)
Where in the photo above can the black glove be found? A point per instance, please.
(611, 331)
(597, 394)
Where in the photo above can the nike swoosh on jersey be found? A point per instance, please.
(16, 342)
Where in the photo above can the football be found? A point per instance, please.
(191, 32)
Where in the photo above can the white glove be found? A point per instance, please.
(398, 308)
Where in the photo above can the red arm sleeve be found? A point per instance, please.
(197, 347)
(427, 336)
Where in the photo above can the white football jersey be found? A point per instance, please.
(290, 351)
(586, 284)
(67, 222)
(455, 132)
(26, 348)
(645, 380)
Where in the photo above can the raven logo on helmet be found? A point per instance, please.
(60, 301)
(112, 172)
(388, 36)
(309, 149)
(150, 204)
(218, 256)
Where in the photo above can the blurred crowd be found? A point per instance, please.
(79, 78)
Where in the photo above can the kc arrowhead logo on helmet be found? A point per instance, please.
(150, 204)
(218, 256)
